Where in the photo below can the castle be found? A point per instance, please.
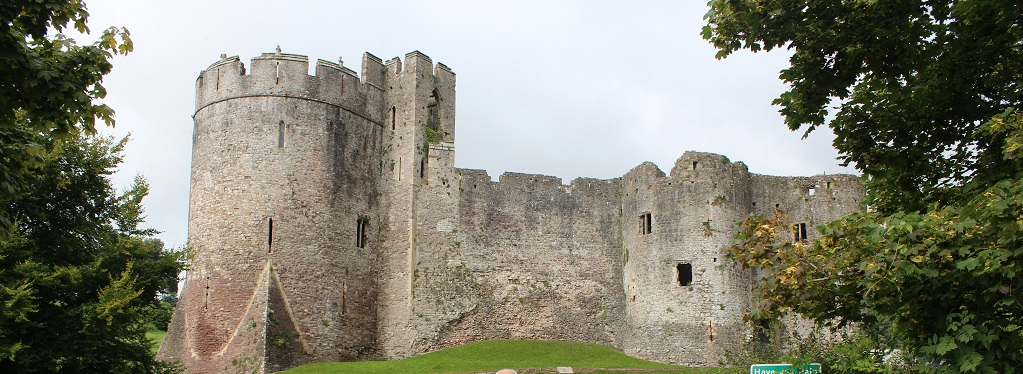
(329, 224)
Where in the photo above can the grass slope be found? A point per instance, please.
(495, 355)
(155, 337)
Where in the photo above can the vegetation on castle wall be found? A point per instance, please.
(928, 97)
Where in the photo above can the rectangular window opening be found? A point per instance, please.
(684, 273)
(799, 231)
(270, 235)
(645, 224)
(280, 134)
(360, 232)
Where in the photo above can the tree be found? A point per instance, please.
(926, 99)
(48, 85)
(78, 273)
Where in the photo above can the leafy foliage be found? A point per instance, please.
(847, 352)
(158, 316)
(77, 273)
(48, 84)
(927, 96)
(914, 81)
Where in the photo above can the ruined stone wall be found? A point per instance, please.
(812, 200)
(283, 167)
(534, 260)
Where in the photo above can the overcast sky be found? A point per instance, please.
(563, 88)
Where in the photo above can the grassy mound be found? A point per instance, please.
(495, 355)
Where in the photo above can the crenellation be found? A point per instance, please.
(331, 224)
(372, 70)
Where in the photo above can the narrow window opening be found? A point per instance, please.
(684, 272)
(270, 236)
(393, 120)
(280, 134)
(776, 206)
(206, 302)
(645, 224)
(799, 230)
(433, 115)
(710, 329)
(344, 298)
(694, 164)
(360, 232)
(754, 203)
(422, 168)
(278, 66)
(218, 79)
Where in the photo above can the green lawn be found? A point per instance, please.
(490, 356)
(155, 336)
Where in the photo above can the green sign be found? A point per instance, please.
(784, 368)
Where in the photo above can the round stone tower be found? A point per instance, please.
(281, 217)
(684, 302)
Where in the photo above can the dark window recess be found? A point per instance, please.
(433, 115)
(800, 231)
(684, 270)
(394, 111)
(206, 302)
(645, 224)
(422, 167)
(270, 235)
(280, 134)
(360, 232)
(764, 332)
(694, 164)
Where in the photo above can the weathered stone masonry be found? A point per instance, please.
(330, 223)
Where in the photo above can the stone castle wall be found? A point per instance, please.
(380, 248)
